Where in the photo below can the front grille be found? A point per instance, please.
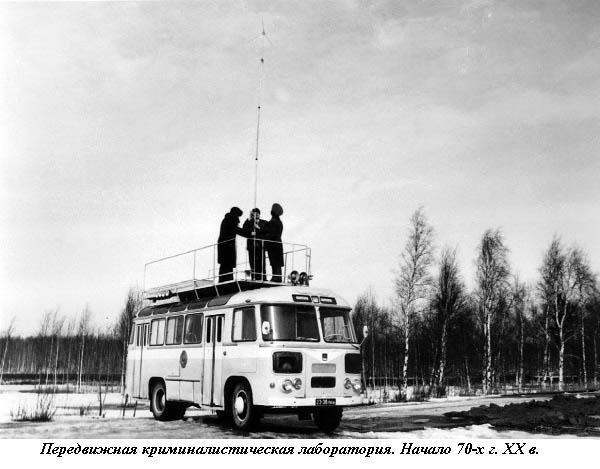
(322, 382)
(323, 367)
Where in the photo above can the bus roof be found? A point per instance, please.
(281, 294)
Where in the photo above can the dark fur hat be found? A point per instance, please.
(276, 210)
(236, 211)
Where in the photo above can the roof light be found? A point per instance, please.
(301, 298)
(328, 300)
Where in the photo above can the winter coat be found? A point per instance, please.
(260, 233)
(273, 229)
(226, 248)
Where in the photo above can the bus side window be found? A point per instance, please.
(193, 328)
(219, 328)
(174, 330)
(139, 339)
(208, 329)
(157, 332)
(244, 325)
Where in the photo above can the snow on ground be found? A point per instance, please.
(77, 416)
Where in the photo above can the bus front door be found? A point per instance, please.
(213, 359)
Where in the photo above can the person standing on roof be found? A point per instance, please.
(226, 255)
(273, 229)
(254, 230)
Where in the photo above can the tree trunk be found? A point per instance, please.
(521, 347)
(546, 361)
(595, 360)
(80, 363)
(442, 353)
(488, 353)
(56, 361)
(583, 364)
(405, 366)
(467, 374)
(4, 358)
(561, 360)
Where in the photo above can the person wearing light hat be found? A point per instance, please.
(226, 255)
(273, 229)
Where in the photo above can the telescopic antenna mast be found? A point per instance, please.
(263, 38)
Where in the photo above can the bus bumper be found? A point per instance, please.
(312, 401)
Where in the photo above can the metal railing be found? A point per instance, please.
(199, 267)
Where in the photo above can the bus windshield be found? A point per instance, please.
(290, 323)
(335, 323)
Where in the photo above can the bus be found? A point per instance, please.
(245, 347)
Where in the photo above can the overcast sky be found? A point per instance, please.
(127, 131)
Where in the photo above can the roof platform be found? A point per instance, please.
(175, 279)
(194, 290)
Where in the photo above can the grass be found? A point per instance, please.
(43, 411)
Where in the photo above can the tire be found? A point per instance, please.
(161, 408)
(243, 413)
(327, 419)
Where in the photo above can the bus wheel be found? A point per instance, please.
(161, 408)
(327, 419)
(243, 412)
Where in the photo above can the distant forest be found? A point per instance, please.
(502, 334)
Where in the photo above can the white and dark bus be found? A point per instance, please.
(245, 347)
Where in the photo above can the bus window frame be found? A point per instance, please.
(158, 328)
(202, 325)
(242, 308)
(179, 317)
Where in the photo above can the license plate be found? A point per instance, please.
(324, 401)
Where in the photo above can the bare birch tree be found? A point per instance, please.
(551, 272)
(585, 283)
(413, 279)
(7, 335)
(519, 295)
(84, 320)
(449, 298)
(124, 325)
(491, 288)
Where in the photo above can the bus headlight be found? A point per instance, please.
(287, 385)
(297, 383)
(353, 384)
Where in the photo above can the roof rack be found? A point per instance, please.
(180, 277)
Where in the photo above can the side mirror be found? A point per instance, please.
(365, 332)
(266, 328)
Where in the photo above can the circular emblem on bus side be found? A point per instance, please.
(183, 359)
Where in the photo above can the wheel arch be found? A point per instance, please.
(154, 381)
(230, 385)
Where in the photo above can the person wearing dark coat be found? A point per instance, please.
(226, 255)
(273, 230)
(254, 230)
